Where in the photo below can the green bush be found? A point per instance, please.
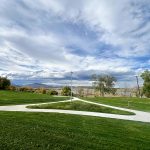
(4, 83)
(52, 92)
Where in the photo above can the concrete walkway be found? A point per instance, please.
(139, 115)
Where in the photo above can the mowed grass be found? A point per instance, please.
(80, 106)
(14, 98)
(20, 130)
(142, 104)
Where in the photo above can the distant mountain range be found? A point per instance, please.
(41, 85)
(38, 85)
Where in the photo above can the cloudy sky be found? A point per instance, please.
(43, 40)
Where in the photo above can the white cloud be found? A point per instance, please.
(50, 35)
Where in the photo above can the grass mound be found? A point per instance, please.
(80, 106)
(14, 98)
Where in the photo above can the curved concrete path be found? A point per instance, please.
(139, 115)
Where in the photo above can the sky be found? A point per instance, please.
(42, 41)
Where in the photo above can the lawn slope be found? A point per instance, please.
(142, 104)
(14, 98)
(20, 130)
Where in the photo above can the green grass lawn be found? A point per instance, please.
(142, 104)
(20, 130)
(14, 98)
(81, 106)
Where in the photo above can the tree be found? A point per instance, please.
(66, 91)
(104, 84)
(81, 92)
(146, 86)
(4, 83)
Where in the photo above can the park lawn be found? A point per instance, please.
(14, 98)
(24, 130)
(142, 104)
(80, 106)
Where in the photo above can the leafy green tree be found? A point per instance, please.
(146, 86)
(104, 84)
(66, 91)
(4, 83)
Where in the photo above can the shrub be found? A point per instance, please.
(40, 91)
(43, 91)
(26, 89)
(52, 92)
(4, 83)
(29, 89)
(12, 88)
(22, 89)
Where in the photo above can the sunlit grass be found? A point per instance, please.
(41, 131)
(14, 98)
(80, 106)
(142, 104)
